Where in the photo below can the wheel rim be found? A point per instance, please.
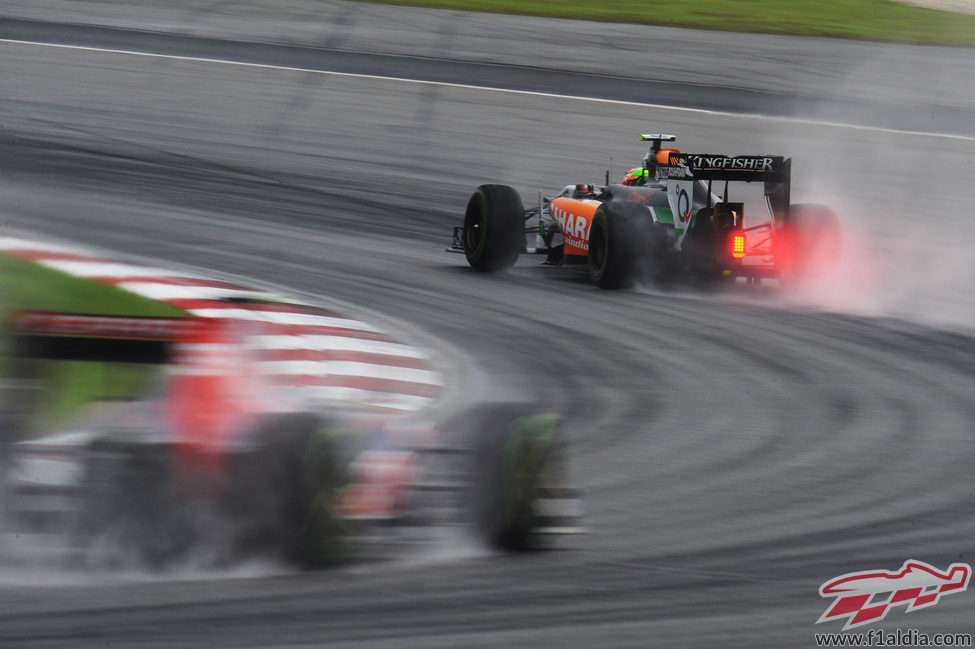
(475, 225)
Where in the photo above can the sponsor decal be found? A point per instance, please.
(683, 206)
(730, 163)
(575, 228)
(98, 326)
(679, 172)
(680, 195)
(866, 597)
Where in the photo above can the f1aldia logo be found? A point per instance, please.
(866, 597)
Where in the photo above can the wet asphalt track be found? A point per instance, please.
(736, 453)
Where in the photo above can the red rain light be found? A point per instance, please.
(738, 246)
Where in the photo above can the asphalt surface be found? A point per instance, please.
(736, 450)
(735, 75)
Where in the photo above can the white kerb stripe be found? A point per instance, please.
(321, 343)
(285, 318)
(162, 291)
(352, 368)
(111, 269)
(16, 243)
(333, 394)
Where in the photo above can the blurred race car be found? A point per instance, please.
(213, 457)
(664, 220)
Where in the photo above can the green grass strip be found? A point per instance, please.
(26, 285)
(68, 386)
(874, 20)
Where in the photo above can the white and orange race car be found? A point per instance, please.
(664, 221)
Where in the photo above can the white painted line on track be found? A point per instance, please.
(464, 86)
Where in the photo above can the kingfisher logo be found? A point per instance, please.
(866, 597)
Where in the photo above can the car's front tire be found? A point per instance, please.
(494, 228)
(518, 460)
(130, 515)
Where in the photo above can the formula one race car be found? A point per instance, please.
(206, 457)
(663, 221)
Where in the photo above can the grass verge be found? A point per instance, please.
(875, 20)
(68, 386)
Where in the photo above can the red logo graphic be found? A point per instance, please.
(866, 597)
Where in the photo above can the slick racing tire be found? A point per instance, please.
(494, 228)
(624, 246)
(130, 515)
(518, 459)
(808, 245)
(299, 473)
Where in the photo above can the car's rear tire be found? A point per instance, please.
(808, 245)
(518, 458)
(494, 228)
(624, 245)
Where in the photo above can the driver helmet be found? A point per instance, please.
(636, 176)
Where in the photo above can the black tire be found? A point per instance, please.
(130, 515)
(299, 473)
(625, 246)
(517, 456)
(494, 228)
(808, 244)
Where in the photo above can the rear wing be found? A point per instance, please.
(774, 171)
(747, 168)
(99, 338)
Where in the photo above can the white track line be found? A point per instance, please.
(527, 93)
